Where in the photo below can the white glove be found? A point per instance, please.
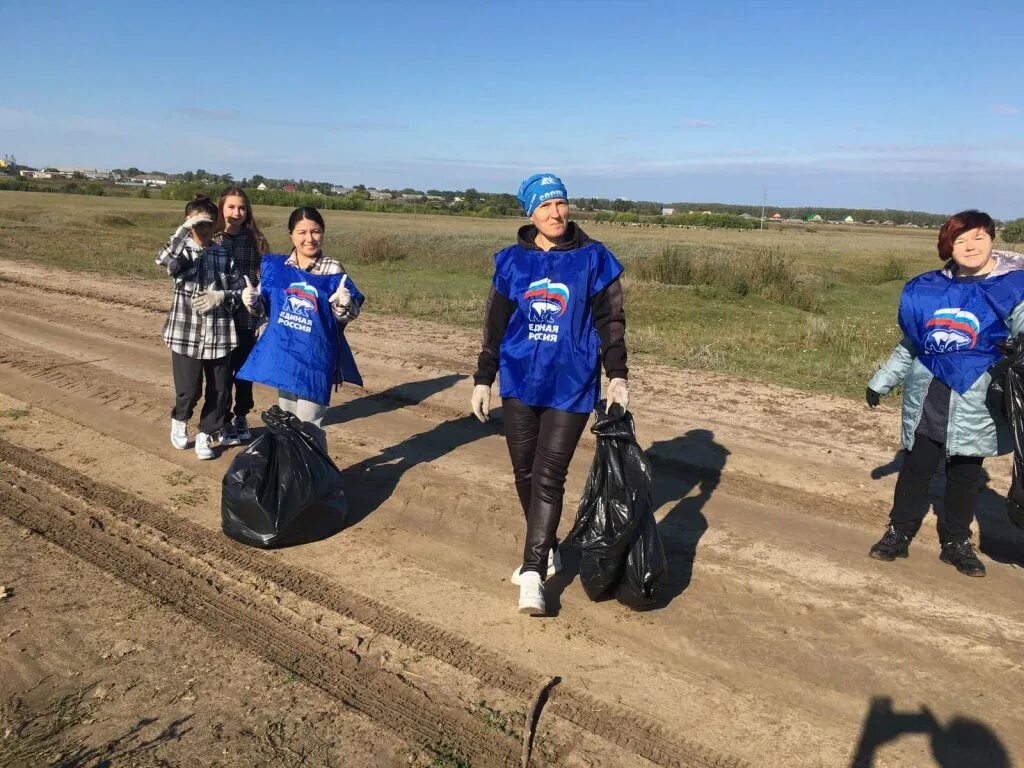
(250, 294)
(200, 218)
(481, 401)
(343, 296)
(208, 300)
(618, 392)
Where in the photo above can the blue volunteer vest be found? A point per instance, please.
(954, 325)
(302, 350)
(550, 354)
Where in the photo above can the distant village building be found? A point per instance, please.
(814, 217)
(379, 194)
(262, 187)
(746, 216)
(776, 216)
(289, 187)
(340, 190)
(34, 174)
(849, 220)
(150, 180)
(667, 211)
(95, 174)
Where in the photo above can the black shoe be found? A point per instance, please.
(961, 554)
(894, 544)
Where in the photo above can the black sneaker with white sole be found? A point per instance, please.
(241, 428)
(961, 555)
(892, 545)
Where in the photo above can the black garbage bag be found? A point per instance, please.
(283, 488)
(646, 569)
(615, 526)
(1006, 392)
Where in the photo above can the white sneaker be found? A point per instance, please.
(204, 447)
(179, 434)
(554, 566)
(531, 594)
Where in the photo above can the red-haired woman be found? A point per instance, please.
(951, 320)
(238, 233)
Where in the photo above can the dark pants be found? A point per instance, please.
(541, 442)
(910, 502)
(188, 384)
(243, 389)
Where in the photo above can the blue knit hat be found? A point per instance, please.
(540, 188)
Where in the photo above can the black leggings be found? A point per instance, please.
(541, 442)
(910, 503)
(243, 389)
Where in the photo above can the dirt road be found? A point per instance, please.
(781, 643)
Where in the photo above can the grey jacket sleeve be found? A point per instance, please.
(895, 369)
(1016, 320)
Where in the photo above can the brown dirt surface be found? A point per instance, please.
(146, 637)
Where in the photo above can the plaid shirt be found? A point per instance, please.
(247, 256)
(209, 336)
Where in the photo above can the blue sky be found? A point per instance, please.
(864, 104)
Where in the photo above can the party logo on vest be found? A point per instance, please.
(951, 329)
(548, 301)
(301, 298)
(299, 308)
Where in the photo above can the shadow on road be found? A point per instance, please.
(962, 743)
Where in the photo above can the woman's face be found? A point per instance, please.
(551, 218)
(235, 210)
(307, 238)
(972, 250)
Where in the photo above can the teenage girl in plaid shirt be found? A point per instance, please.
(238, 233)
(200, 327)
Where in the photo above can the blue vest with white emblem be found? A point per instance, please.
(303, 350)
(954, 325)
(550, 353)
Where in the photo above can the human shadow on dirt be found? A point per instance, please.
(398, 396)
(962, 743)
(371, 482)
(998, 537)
(693, 460)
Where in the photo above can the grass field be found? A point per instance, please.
(808, 306)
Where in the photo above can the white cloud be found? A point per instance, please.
(1005, 109)
(699, 124)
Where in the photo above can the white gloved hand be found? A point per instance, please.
(250, 294)
(208, 300)
(200, 218)
(343, 296)
(618, 392)
(481, 401)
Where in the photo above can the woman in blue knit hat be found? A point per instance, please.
(554, 314)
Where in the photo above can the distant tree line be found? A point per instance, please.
(469, 202)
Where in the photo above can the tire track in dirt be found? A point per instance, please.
(382, 696)
(780, 490)
(203, 597)
(146, 400)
